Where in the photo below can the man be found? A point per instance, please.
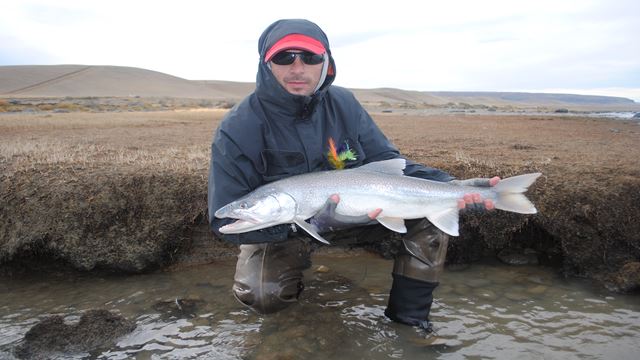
(283, 129)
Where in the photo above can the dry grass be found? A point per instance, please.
(473, 164)
(107, 104)
(64, 121)
(122, 190)
(32, 155)
(117, 141)
(111, 190)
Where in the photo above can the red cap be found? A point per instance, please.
(296, 41)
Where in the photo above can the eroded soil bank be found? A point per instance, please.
(126, 192)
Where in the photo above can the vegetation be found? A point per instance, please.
(125, 191)
(108, 104)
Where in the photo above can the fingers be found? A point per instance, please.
(374, 214)
(478, 182)
(335, 199)
(329, 207)
(332, 204)
(474, 200)
(461, 204)
(489, 205)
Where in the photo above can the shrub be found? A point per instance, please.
(226, 104)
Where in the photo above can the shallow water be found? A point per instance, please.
(484, 311)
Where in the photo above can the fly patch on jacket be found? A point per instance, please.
(339, 156)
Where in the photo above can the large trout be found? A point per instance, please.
(377, 185)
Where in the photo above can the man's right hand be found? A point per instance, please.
(326, 219)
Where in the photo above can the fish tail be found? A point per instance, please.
(510, 194)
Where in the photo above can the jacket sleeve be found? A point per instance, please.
(231, 176)
(377, 147)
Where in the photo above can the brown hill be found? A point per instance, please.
(116, 81)
(81, 80)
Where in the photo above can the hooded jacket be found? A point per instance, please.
(273, 134)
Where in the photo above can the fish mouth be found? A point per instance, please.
(241, 226)
(244, 221)
(228, 212)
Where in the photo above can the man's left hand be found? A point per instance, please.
(473, 201)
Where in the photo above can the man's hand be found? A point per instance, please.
(473, 201)
(328, 220)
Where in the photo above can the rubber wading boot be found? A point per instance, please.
(416, 273)
(268, 276)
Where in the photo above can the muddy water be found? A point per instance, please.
(484, 311)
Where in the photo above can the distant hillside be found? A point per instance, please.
(81, 80)
(522, 97)
(516, 99)
(117, 81)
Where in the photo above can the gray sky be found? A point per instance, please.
(581, 46)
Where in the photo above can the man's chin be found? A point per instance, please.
(299, 90)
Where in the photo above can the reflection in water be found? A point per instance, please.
(485, 311)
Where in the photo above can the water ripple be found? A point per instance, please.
(484, 312)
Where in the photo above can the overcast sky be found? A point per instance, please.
(581, 46)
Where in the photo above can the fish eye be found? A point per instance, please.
(244, 205)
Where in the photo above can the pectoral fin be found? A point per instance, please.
(393, 224)
(445, 219)
(310, 230)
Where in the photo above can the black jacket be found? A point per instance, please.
(273, 134)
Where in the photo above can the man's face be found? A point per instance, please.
(297, 78)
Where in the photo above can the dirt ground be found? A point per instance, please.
(126, 191)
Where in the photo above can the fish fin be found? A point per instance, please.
(392, 166)
(311, 231)
(445, 219)
(393, 224)
(510, 195)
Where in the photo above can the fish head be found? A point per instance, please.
(258, 210)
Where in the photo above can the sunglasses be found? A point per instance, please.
(288, 57)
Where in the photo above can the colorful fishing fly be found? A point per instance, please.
(338, 157)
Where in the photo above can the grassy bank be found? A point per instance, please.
(126, 191)
(113, 191)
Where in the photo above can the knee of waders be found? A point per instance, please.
(268, 297)
(423, 253)
(269, 276)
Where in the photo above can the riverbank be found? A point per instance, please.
(126, 192)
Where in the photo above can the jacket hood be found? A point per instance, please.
(267, 87)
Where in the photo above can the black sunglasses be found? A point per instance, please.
(288, 57)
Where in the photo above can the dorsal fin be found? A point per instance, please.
(391, 166)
